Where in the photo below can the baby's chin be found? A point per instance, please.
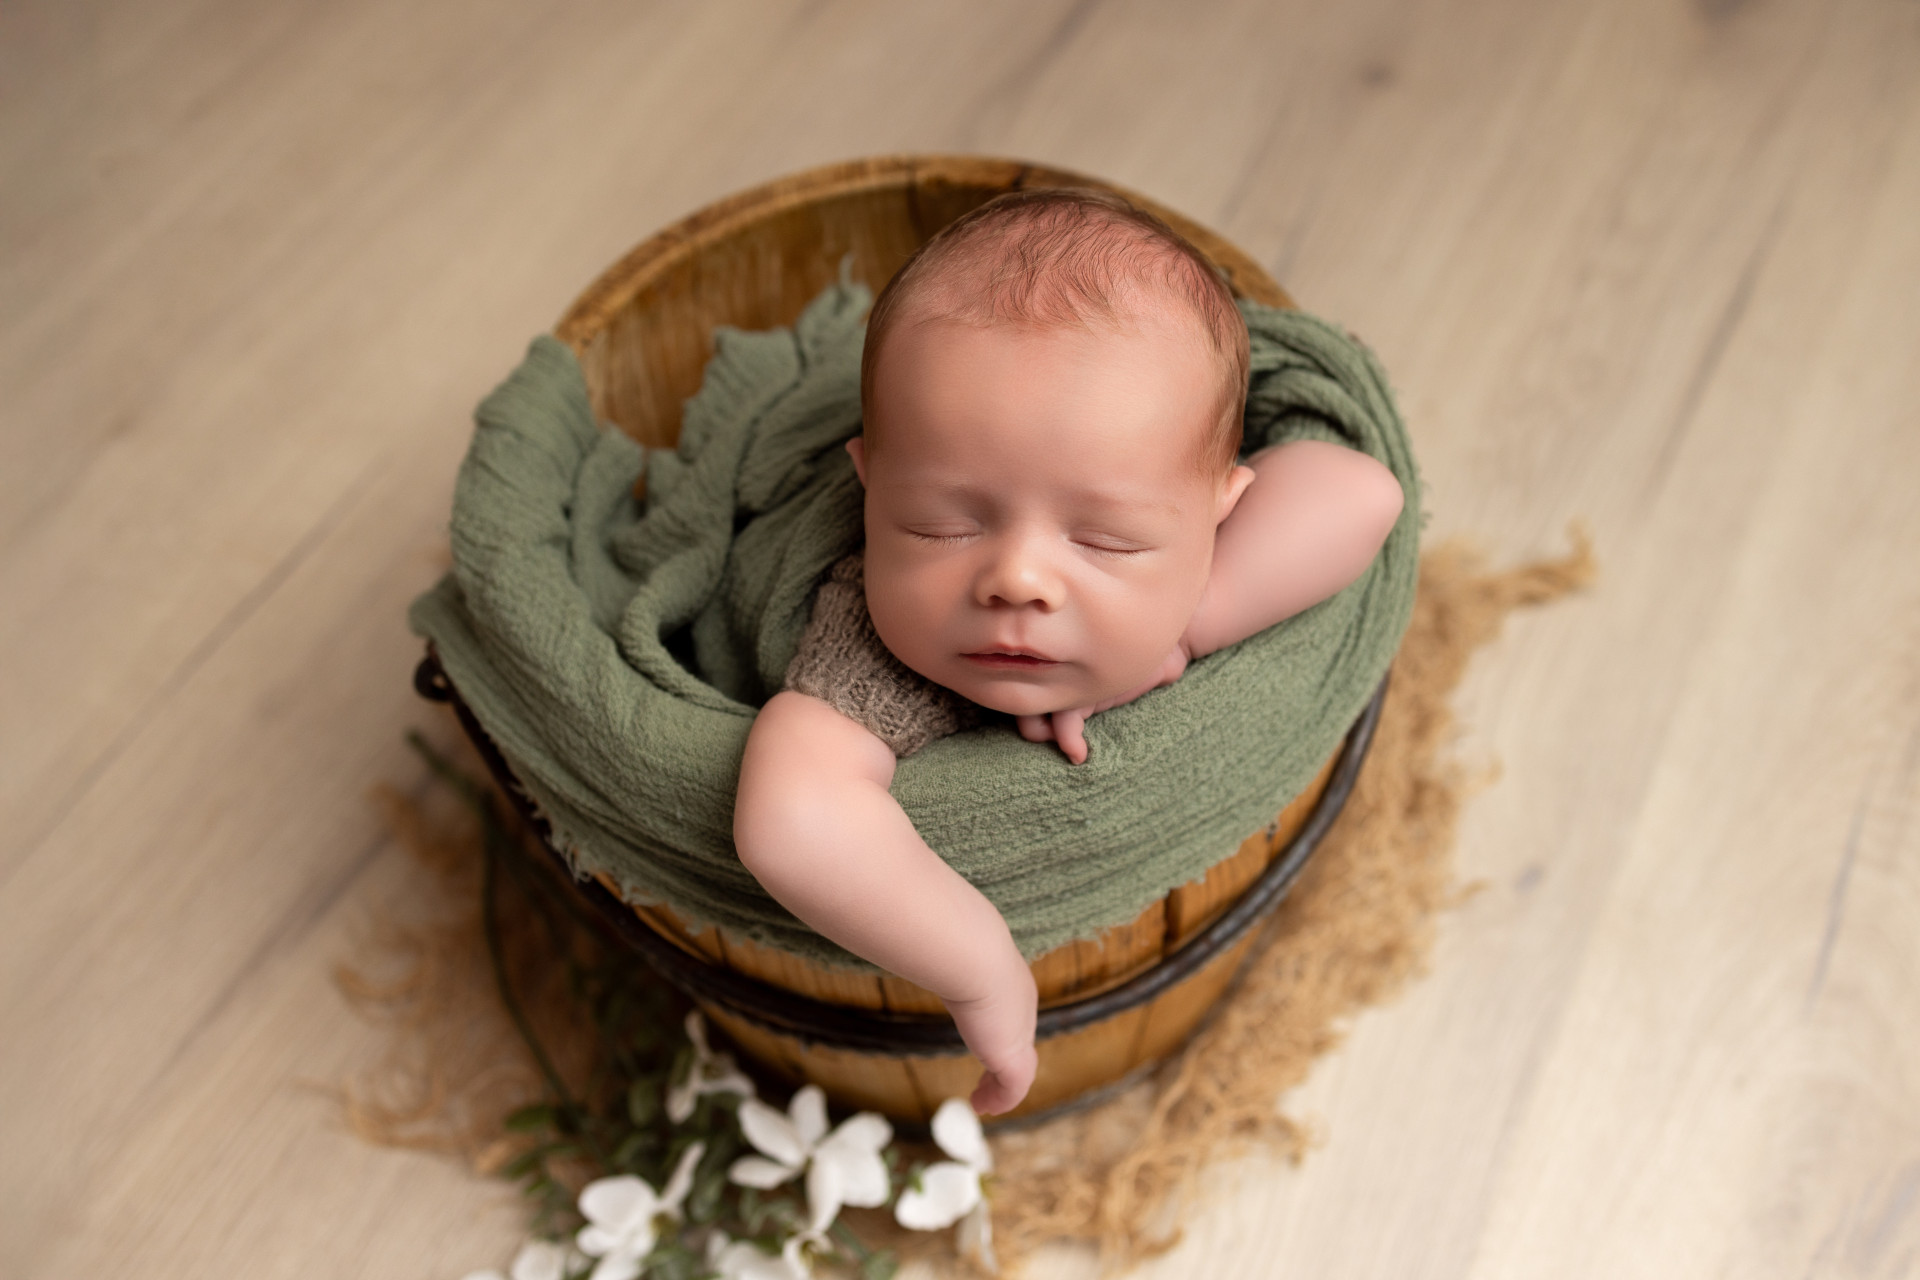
(1020, 702)
(1028, 698)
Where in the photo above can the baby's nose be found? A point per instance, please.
(1020, 573)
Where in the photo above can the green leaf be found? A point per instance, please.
(768, 1214)
(524, 1163)
(880, 1265)
(643, 1101)
(538, 1116)
(627, 1156)
(670, 1261)
(750, 1208)
(708, 1196)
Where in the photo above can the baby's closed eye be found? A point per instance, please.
(1108, 545)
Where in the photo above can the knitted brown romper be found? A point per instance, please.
(842, 662)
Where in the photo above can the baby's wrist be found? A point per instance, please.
(1006, 978)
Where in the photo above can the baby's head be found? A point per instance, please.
(1052, 393)
(1055, 258)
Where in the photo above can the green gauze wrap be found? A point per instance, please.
(616, 652)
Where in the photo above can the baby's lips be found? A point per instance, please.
(1009, 648)
(1015, 659)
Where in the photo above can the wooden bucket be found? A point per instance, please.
(1109, 1008)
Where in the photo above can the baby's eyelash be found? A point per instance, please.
(1116, 552)
(940, 538)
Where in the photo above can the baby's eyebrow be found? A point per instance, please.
(1100, 501)
(1125, 503)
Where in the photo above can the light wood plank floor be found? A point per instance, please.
(1649, 263)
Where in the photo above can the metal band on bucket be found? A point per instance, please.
(818, 1022)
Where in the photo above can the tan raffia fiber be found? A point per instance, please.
(453, 1066)
(1118, 1177)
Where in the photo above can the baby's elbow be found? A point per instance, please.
(762, 817)
(1381, 499)
(805, 763)
(780, 822)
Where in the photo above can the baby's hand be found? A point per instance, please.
(998, 1028)
(1068, 727)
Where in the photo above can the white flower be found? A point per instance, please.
(623, 1217)
(975, 1237)
(843, 1167)
(743, 1260)
(952, 1190)
(710, 1073)
(537, 1260)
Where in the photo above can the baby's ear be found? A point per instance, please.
(1230, 490)
(857, 450)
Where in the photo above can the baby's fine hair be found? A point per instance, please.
(1063, 256)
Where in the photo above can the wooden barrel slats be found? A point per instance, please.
(644, 330)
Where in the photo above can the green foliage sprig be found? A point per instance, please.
(643, 1172)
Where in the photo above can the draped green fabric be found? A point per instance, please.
(616, 652)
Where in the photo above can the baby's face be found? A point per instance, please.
(1039, 530)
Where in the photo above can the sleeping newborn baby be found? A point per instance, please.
(1056, 523)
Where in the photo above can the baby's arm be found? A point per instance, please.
(1311, 522)
(815, 824)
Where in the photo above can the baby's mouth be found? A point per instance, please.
(1009, 659)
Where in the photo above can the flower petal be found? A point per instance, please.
(743, 1260)
(697, 1033)
(596, 1241)
(718, 1242)
(793, 1259)
(681, 1097)
(615, 1203)
(681, 1180)
(957, 1129)
(734, 1259)
(826, 1192)
(753, 1171)
(809, 1112)
(728, 1078)
(773, 1134)
(868, 1131)
(540, 1260)
(862, 1173)
(620, 1266)
(946, 1192)
(975, 1236)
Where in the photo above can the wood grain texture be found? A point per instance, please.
(1653, 264)
(644, 328)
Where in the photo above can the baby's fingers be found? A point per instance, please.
(1035, 728)
(1063, 727)
(1068, 731)
(1001, 1090)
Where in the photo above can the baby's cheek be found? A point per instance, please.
(906, 613)
(1138, 632)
